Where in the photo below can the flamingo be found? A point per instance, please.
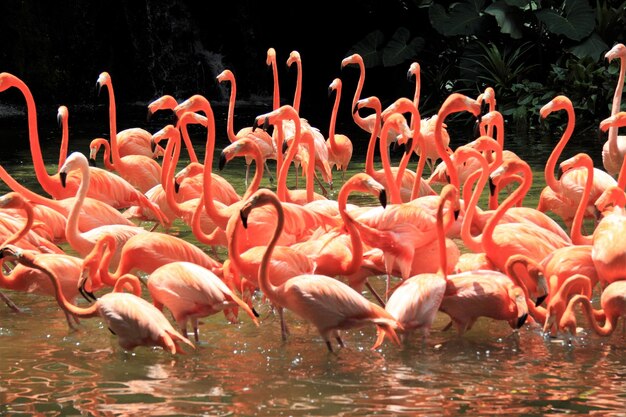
(83, 242)
(369, 123)
(416, 301)
(190, 292)
(62, 119)
(608, 248)
(168, 102)
(132, 319)
(614, 149)
(613, 306)
(339, 145)
(575, 284)
(142, 171)
(104, 186)
(569, 188)
(262, 138)
(617, 120)
(327, 303)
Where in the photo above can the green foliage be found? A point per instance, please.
(399, 49)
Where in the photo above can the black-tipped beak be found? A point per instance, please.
(152, 146)
(244, 219)
(355, 109)
(59, 120)
(409, 75)
(447, 178)
(457, 213)
(255, 312)
(87, 295)
(63, 177)
(597, 213)
(92, 162)
(330, 91)
(256, 123)
(559, 173)
(492, 187)
(408, 145)
(223, 161)
(176, 186)
(522, 320)
(266, 124)
(98, 88)
(540, 300)
(285, 146)
(382, 198)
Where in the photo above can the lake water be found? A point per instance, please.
(243, 370)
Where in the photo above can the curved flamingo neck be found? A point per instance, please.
(33, 134)
(63, 118)
(265, 284)
(617, 101)
(576, 233)
(307, 137)
(406, 106)
(392, 186)
(187, 140)
(589, 312)
(30, 195)
(537, 313)
(551, 180)
(72, 233)
(230, 129)
(107, 151)
(115, 153)
(447, 195)
(349, 222)
(333, 116)
(360, 121)
(125, 279)
(373, 103)
(298, 92)
(441, 149)
(293, 149)
(271, 61)
(418, 85)
(473, 243)
(252, 149)
(172, 152)
(510, 201)
(418, 140)
(28, 224)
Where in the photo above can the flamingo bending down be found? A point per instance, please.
(613, 306)
(327, 303)
(132, 319)
(190, 292)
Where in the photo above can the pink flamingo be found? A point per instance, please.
(190, 292)
(262, 138)
(614, 149)
(132, 319)
(327, 303)
(339, 145)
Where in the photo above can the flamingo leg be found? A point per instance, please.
(10, 303)
(374, 293)
(269, 173)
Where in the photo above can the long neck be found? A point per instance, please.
(115, 153)
(333, 119)
(265, 284)
(298, 93)
(173, 146)
(187, 141)
(576, 232)
(609, 324)
(23, 231)
(281, 191)
(276, 90)
(473, 243)
(441, 237)
(230, 128)
(418, 138)
(537, 313)
(128, 279)
(46, 181)
(310, 168)
(217, 214)
(522, 190)
(392, 186)
(72, 234)
(30, 195)
(617, 101)
(415, 121)
(107, 153)
(258, 173)
(108, 251)
(355, 238)
(371, 147)
(551, 180)
(360, 121)
(441, 149)
(64, 138)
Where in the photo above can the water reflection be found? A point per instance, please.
(239, 369)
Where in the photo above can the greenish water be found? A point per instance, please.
(243, 370)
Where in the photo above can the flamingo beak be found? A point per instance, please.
(285, 146)
(63, 177)
(456, 214)
(223, 161)
(92, 162)
(152, 146)
(176, 186)
(355, 109)
(540, 300)
(492, 187)
(382, 198)
(244, 219)
(256, 314)
(522, 320)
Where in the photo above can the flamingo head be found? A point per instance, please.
(617, 120)
(617, 51)
(557, 103)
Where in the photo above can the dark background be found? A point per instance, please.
(152, 48)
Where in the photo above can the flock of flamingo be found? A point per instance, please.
(310, 254)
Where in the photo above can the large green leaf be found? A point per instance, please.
(593, 47)
(370, 48)
(400, 49)
(576, 22)
(509, 18)
(521, 4)
(464, 18)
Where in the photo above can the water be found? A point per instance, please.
(243, 370)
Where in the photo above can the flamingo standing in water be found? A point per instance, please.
(416, 301)
(614, 149)
(339, 145)
(132, 319)
(140, 170)
(190, 292)
(327, 303)
(613, 306)
(263, 139)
